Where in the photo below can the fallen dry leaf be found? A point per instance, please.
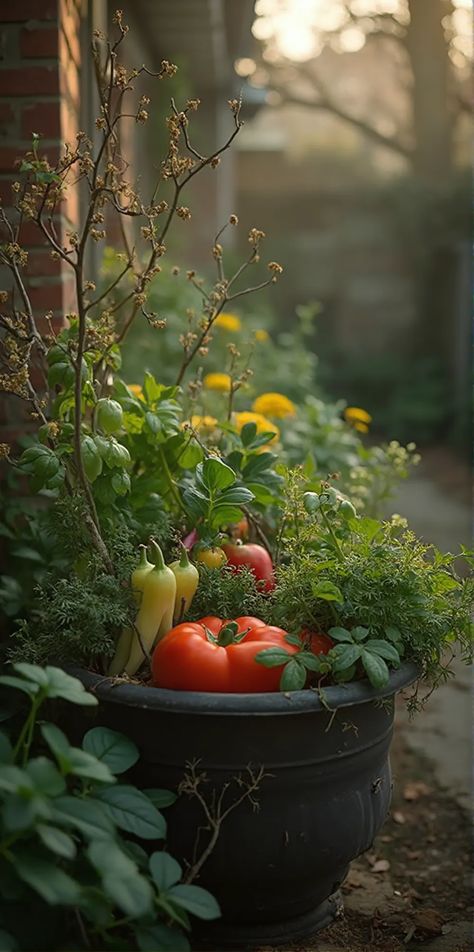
(429, 920)
(398, 817)
(381, 866)
(415, 790)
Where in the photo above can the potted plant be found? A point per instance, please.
(249, 674)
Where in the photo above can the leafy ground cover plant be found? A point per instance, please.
(75, 836)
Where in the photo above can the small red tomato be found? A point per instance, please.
(317, 641)
(254, 557)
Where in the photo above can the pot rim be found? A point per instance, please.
(272, 703)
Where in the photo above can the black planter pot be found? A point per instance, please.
(325, 796)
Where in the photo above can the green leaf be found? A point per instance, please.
(15, 780)
(327, 591)
(393, 634)
(360, 633)
(172, 911)
(83, 764)
(310, 661)
(272, 657)
(340, 634)
(161, 938)
(45, 776)
(161, 798)
(248, 433)
(346, 656)
(9, 944)
(57, 841)
(366, 527)
(376, 669)
(87, 816)
(216, 474)
(46, 878)
(384, 650)
(33, 672)
(196, 900)
(151, 388)
(294, 640)
(71, 689)
(153, 422)
(293, 677)
(131, 810)
(18, 813)
(10, 681)
(57, 743)
(190, 456)
(118, 752)
(128, 889)
(96, 906)
(165, 870)
(5, 749)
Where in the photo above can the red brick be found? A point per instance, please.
(39, 44)
(43, 117)
(31, 236)
(47, 297)
(32, 80)
(18, 11)
(10, 157)
(55, 323)
(41, 264)
(6, 113)
(6, 194)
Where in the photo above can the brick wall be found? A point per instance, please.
(39, 92)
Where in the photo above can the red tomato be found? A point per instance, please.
(256, 558)
(317, 641)
(186, 659)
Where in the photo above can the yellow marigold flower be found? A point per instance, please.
(359, 418)
(274, 405)
(203, 422)
(136, 389)
(230, 322)
(262, 423)
(262, 335)
(220, 382)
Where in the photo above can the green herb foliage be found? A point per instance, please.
(228, 594)
(65, 851)
(379, 592)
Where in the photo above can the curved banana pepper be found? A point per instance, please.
(155, 616)
(124, 643)
(187, 581)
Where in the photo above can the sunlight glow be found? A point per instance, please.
(297, 29)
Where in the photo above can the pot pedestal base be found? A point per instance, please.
(233, 936)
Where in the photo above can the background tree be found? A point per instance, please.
(427, 41)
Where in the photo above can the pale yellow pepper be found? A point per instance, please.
(155, 616)
(124, 643)
(187, 581)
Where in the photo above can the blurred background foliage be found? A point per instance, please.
(354, 159)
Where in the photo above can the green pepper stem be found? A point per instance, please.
(157, 555)
(184, 560)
